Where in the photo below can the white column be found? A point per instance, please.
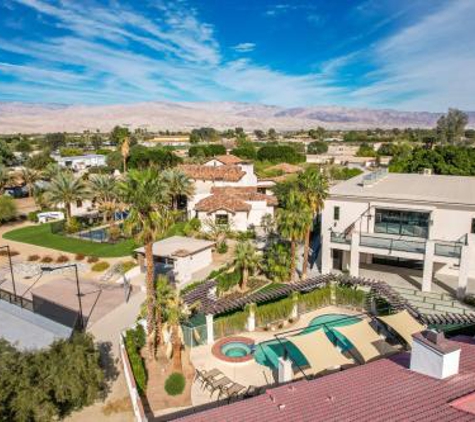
(463, 271)
(251, 321)
(285, 370)
(210, 328)
(326, 252)
(428, 272)
(355, 254)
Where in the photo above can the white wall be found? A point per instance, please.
(185, 267)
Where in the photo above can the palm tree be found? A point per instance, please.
(4, 178)
(314, 186)
(65, 189)
(51, 170)
(247, 260)
(292, 220)
(163, 292)
(177, 313)
(29, 177)
(125, 151)
(179, 185)
(104, 188)
(146, 196)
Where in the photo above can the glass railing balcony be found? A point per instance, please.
(448, 249)
(340, 238)
(404, 245)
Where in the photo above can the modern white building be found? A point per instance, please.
(227, 191)
(394, 218)
(81, 162)
(179, 257)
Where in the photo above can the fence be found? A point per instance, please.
(194, 335)
(16, 300)
(137, 404)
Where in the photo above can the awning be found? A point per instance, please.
(365, 340)
(319, 351)
(404, 324)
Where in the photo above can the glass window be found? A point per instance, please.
(336, 213)
(222, 219)
(404, 223)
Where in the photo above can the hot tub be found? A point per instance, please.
(234, 349)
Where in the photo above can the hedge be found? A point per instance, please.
(229, 324)
(349, 296)
(316, 299)
(274, 311)
(134, 341)
(175, 384)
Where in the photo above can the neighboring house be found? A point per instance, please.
(179, 257)
(226, 172)
(343, 160)
(81, 162)
(401, 219)
(238, 207)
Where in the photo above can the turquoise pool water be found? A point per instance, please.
(236, 349)
(268, 352)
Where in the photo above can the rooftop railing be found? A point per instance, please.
(448, 249)
(340, 238)
(403, 245)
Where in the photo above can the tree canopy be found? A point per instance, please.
(317, 147)
(451, 127)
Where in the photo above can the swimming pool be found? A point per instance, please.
(268, 352)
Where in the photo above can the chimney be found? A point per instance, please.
(433, 355)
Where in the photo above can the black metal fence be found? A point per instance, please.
(16, 300)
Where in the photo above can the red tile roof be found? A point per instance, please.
(228, 159)
(212, 173)
(384, 390)
(233, 199)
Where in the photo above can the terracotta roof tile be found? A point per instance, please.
(233, 199)
(381, 391)
(228, 159)
(225, 173)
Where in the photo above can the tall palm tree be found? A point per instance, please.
(104, 188)
(146, 196)
(179, 185)
(314, 187)
(177, 313)
(125, 151)
(29, 177)
(164, 292)
(65, 189)
(292, 220)
(247, 260)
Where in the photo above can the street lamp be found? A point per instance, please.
(7, 247)
(51, 269)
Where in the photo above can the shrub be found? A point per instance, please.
(4, 252)
(79, 257)
(92, 259)
(222, 247)
(14, 253)
(8, 209)
(33, 216)
(114, 233)
(100, 266)
(274, 311)
(47, 259)
(192, 226)
(72, 226)
(175, 384)
(136, 361)
(226, 281)
(280, 154)
(316, 299)
(317, 147)
(350, 296)
(62, 258)
(33, 258)
(127, 266)
(230, 324)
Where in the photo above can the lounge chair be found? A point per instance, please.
(206, 376)
(217, 384)
(230, 391)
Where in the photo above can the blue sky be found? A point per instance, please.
(405, 54)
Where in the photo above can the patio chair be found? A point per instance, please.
(206, 376)
(217, 384)
(230, 391)
(253, 391)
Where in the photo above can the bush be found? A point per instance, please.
(227, 281)
(72, 226)
(62, 258)
(79, 257)
(274, 311)
(136, 361)
(175, 384)
(230, 324)
(100, 266)
(280, 154)
(127, 266)
(317, 147)
(33, 258)
(4, 252)
(192, 226)
(114, 233)
(92, 259)
(33, 216)
(316, 299)
(222, 247)
(8, 210)
(47, 259)
(206, 150)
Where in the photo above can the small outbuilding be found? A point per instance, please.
(179, 257)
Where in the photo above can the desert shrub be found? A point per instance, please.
(62, 259)
(192, 226)
(226, 325)
(100, 266)
(14, 253)
(114, 233)
(72, 226)
(33, 216)
(47, 259)
(79, 257)
(136, 361)
(4, 252)
(92, 259)
(127, 266)
(315, 299)
(226, 281)
(274, 311)
(350, 296)
(222, 247)
(33, 258)
(8, 209)
(175, 384)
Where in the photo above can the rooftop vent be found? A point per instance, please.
(371, 178)
(427, 172)
(433, 355)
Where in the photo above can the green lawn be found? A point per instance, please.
(41, 235)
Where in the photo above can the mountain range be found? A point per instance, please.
(42, 118)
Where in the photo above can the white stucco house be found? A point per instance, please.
(81, 162)
(179, 258)
(227, 191)
(394, 218)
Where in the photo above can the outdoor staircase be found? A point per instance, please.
(431, 303)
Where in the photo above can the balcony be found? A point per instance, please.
(393, 244)
(340, 238)
(448, 249)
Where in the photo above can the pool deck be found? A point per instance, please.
(251, 372)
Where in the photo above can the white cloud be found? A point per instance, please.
(244, 47)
